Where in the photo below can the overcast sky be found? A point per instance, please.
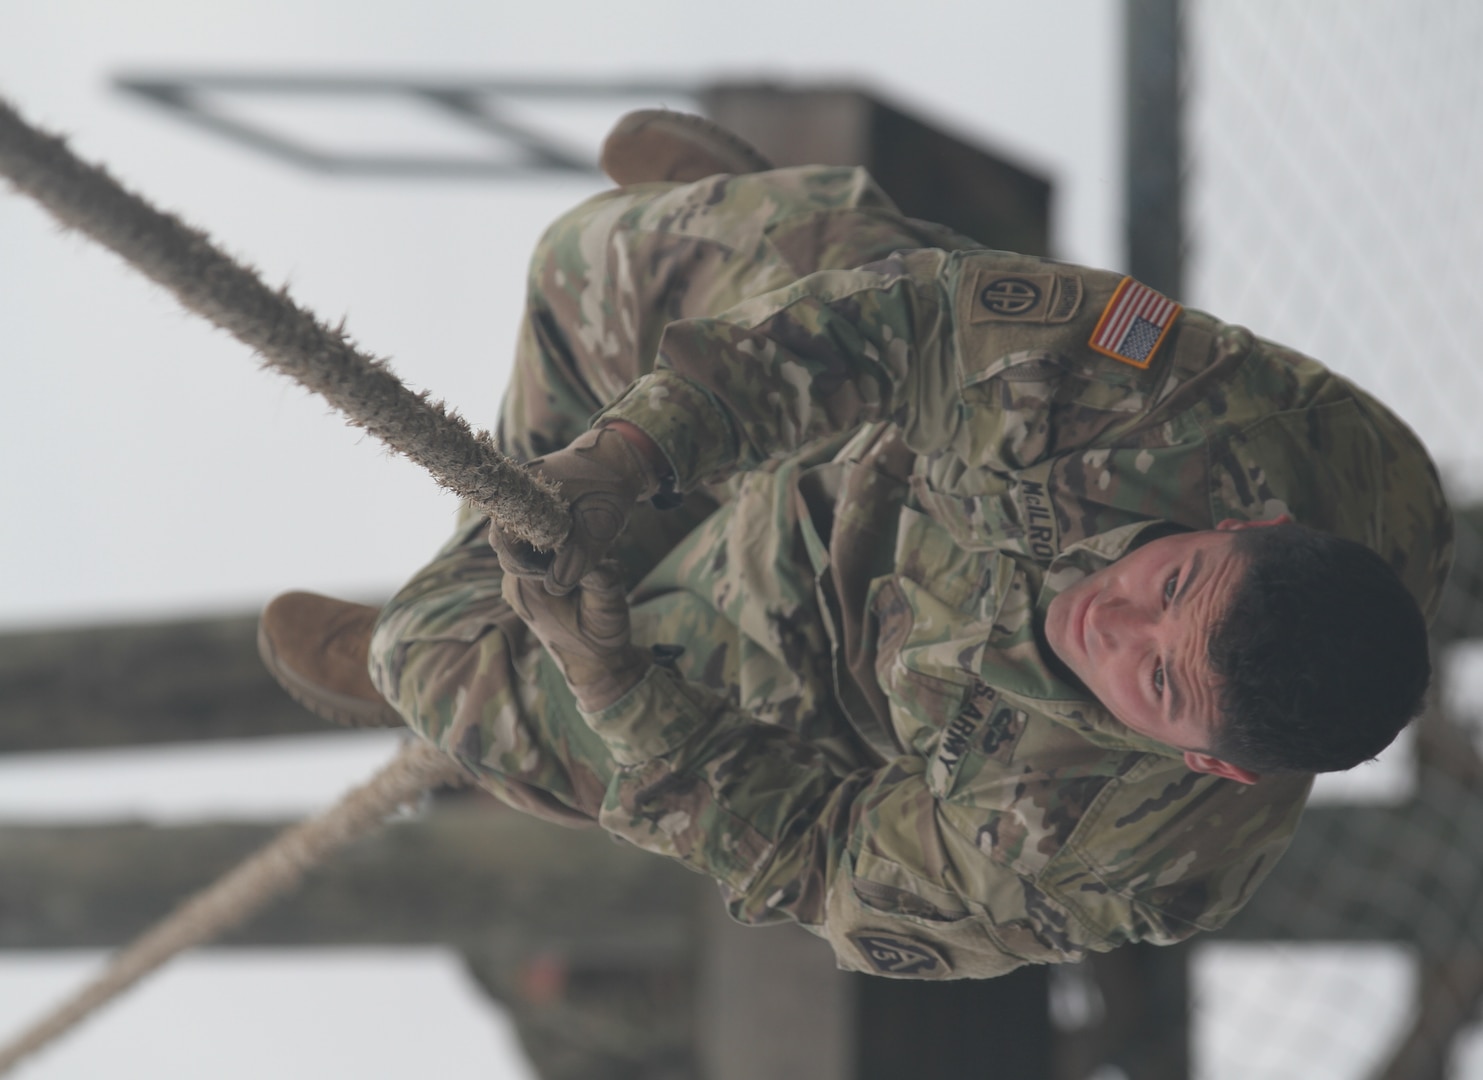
(166, 474)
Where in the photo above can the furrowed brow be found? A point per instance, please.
(1189, 579)
(1176, 699)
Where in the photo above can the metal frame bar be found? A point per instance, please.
(474, 103)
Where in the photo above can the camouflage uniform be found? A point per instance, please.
(899, 449)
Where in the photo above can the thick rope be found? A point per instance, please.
(364, 389)
(274, 871)
(212, 284)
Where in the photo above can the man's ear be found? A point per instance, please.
(1232, 524)
(1204, 763)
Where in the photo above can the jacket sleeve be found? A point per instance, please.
(865, 860)
(985, 349)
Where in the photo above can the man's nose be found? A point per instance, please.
(1118, 621)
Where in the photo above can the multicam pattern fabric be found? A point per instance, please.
(898, 448)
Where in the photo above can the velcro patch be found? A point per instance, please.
(1031, 298)
(892, 954)
(1134, 324)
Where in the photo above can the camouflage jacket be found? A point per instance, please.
(1009, 818)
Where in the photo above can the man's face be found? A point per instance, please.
(1137, 634)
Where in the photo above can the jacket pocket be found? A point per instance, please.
(891, 889)
(927, 658)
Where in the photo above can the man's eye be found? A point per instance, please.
(1158, 679)
(1170, 587)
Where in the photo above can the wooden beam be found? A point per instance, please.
(140, 683)
(457, 877)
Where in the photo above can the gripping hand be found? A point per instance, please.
(586, 631)
(602, 476)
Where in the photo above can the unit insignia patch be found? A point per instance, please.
(1032, 298)
(892, 954)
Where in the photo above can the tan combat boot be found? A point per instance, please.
(318, 648)
(653, 145)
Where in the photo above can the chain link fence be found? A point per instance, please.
(1334, 171)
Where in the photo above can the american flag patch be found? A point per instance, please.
(1134, 324)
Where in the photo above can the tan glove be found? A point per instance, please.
(587, 633)
(602, 476)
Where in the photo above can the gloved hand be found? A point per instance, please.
(586, 631)
(602, 476)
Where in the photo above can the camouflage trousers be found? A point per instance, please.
(724, 575)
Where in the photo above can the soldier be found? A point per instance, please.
(968, 608)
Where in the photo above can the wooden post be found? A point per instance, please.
(780, 980)
(930, 173)
(948, 1030)
(896, 1027)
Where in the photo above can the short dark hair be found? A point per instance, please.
(1321, 657)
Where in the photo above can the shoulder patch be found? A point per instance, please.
(1134, 324)
(1029, 298)
(892, 954)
